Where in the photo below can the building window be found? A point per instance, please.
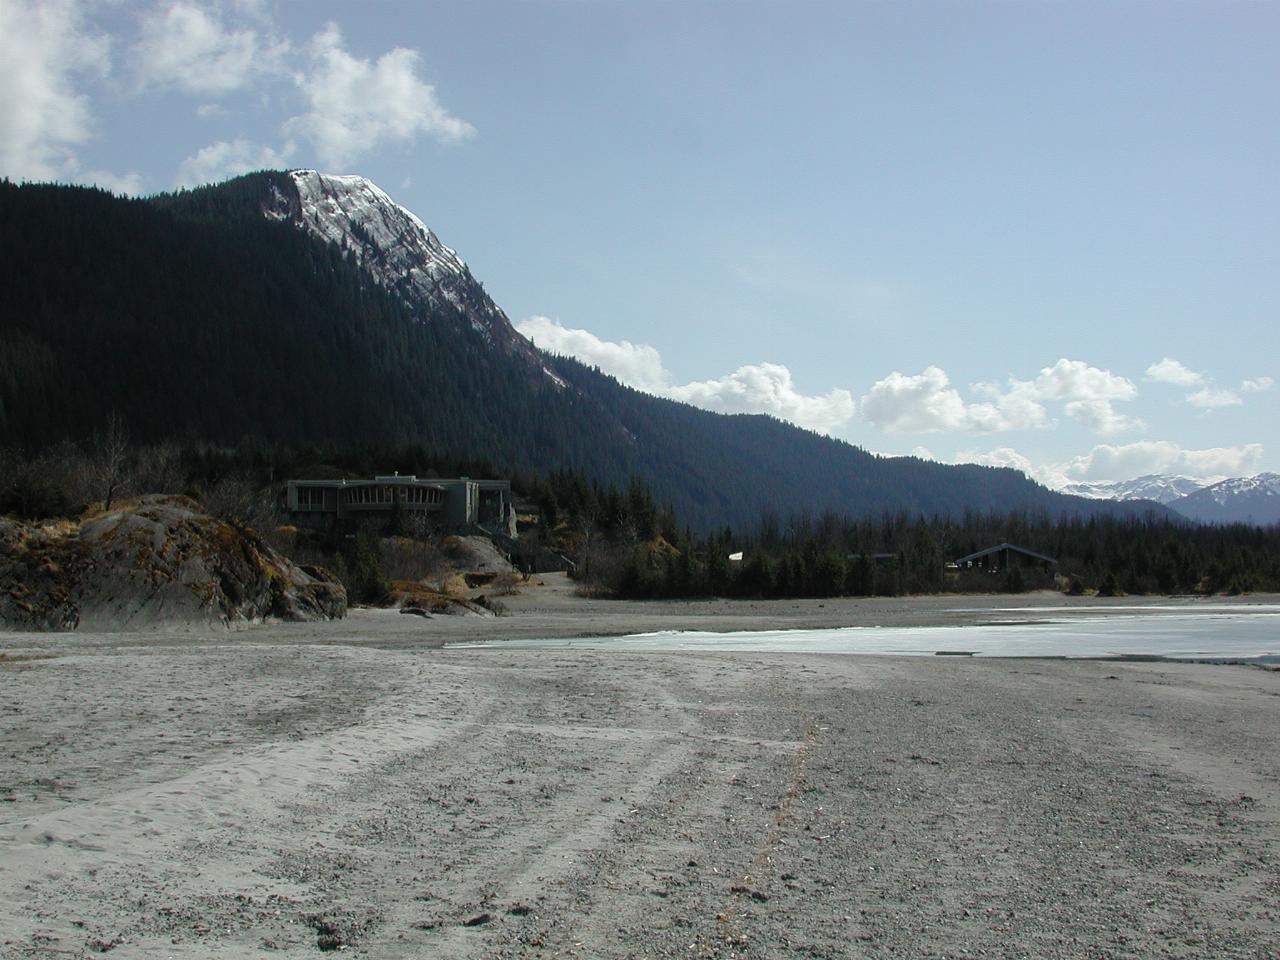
(422, 495)
(310, 497)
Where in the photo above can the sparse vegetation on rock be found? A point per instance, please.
(157, 561)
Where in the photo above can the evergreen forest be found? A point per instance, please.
(196, 320)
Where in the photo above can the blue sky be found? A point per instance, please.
(1036, 234)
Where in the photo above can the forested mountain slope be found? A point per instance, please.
(219, 314)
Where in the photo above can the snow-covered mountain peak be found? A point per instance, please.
(1262, 485)
(1253, 499)
(394, 245)
(358, 215)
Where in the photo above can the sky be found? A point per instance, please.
(1030, 234)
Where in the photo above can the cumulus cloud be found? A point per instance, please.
(636, 365)
(45, 48)
(1208, 397)
(1111, 462)
(129, 184)
(1172, 371)
(1101, 417)
(358, 105)
(1211, 399)
(1089, 394)
(1076, 380)
(920, 403)
(755, 388)
(188, 47)
(768, 388)
(1051, 475)
(224, 159)
(1108, 462)
(927, 402)
(345, 106)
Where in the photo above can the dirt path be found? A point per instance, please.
(238, 799)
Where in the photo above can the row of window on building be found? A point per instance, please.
(372, 495)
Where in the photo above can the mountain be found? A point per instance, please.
(1239, 500)
(301, 311)
(1236, 500)
(1162, 488)
(394, 246)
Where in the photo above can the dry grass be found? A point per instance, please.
(505, 585)
(23, 660)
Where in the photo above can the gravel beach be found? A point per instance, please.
(297, 789)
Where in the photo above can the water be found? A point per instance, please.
(1209, 633)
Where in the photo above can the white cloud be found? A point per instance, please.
(1124, 462)
(130, 184)
(358, 105)
(1017, 408)
(1076, 380)
(1171, 371)
(636, 365)
(1211, 399)
(1101, 417)
(768, 388)
(225, 159)
(756, 388)
(1048, 474)
(1107, 462)
(44, 48)
(922, 403)
(927, 402)
(1208, 397)
(1088, 394)
(185, 46)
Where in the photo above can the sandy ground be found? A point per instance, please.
(292, 790)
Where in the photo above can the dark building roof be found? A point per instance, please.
(998, 548)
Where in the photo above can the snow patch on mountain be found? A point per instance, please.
(1260, 485)
(1263, 485)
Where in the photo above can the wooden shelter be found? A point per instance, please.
(1003, 557)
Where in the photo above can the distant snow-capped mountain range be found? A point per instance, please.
(1231, 500)
(1162, 488)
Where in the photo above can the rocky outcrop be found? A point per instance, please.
(156, 562)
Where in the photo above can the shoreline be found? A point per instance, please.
(548, 608)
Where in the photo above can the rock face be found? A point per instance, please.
(153, 563)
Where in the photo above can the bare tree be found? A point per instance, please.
(158, 469)
(111, 454)
(241, 502)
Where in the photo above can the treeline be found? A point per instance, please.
(831, 556)
(625, 542)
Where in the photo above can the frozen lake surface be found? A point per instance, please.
(1209, 632)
